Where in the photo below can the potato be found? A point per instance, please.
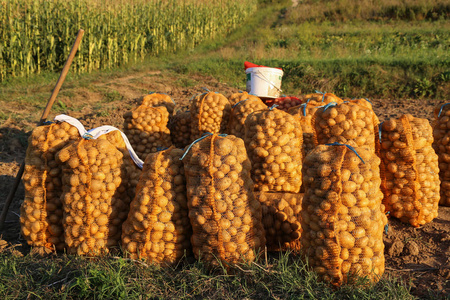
(239, 113)
(180, 129)
(210, 112)
(93, 208)
(273, 140)
(158, 218)
(41, 212)
(281, 219)
(240, 96)
(441, 134)
(342, 217)
(155, 99)
(410, 170)
(225, 216)
(345, 123)
(146, 129)
(284, 103)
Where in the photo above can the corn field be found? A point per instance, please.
(37, 35)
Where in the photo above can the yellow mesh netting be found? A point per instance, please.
(303, 113)
(146, 128)
(158, 227)
(281, 220)
(441, 144)
(273, 140)
(225, 216)
(210, 112)
(345, 123)
(92, 214)
(238, 97)
(239, 113)
(180, 129)
(41, 212)
(410, 170)
(342, 216)
(155, 99)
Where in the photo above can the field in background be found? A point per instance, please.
(37, 35)
(376, 49)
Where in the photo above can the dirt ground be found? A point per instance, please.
(421, 256)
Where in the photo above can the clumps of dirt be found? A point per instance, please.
(421, 255)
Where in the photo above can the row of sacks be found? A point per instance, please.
(200, 199)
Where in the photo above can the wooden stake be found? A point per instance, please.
(44, 116)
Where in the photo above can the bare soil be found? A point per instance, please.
(421, 256)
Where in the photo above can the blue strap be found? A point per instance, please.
(239, 102)
(161, 148)
(367, 99)
(206, 89)
(379, 131)
(349, 147)
(196, 95)
(440, 111)
(87, 136)
(386, 228)
(304, 108)
(47, 123)
(319, 92)
(329, 105)
(273, 106)
(205, 135)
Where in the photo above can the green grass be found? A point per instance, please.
(282, 277)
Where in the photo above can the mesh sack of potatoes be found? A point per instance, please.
(224, 214)
(210, 112)
(345, 123)
(304, 113)
(342, 216)
(146, 128)
(441, 145)
(180, 129)
(239, 96)
(281, 220)
(273, 139)
(158, 227)
(93, 214)
(41, 212)
(239, 113)
(155, 99)
(410, 170)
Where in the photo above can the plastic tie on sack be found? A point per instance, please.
(87, 136)
(47, 123)
(331, 104)
(304, 108)
(273, 106)
(379, 131)
(99, 131)
(238, 103)
(367, 99)
(199, 94)
(349, 147)
(161, 148)
(205, 135)
(386, 228)
(206, 89)
(323, 94)
(442, 107)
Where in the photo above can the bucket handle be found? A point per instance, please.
(265, 78)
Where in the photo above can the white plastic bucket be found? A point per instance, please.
(264, 82)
